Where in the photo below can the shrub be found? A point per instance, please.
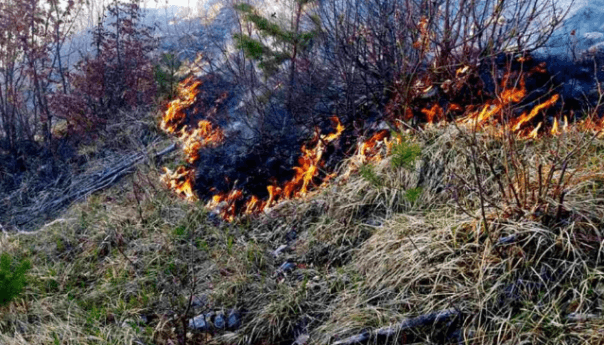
(405, 154)
(120, 76)
(165, 76)
(368, 173)
(12, 278)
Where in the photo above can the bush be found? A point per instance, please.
(405, 154)
(12, 278)
(119, 76)
(165, 76)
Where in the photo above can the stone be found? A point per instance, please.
(199, 323)
(279, 250)
(234, 319)
(302, 339)
(291, 236)
(199, 301)
(593, 36)
(286, 267)
(219, 321)
(596, 49)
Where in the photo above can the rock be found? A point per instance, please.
(210, 317)
(579, 317)
(199, 323)
(234, 319)
(302, 339)
(219, 321)
(291, 236)
(507, 240)
(373, 222)
(279, 250)
(286, 267)
(596, 49)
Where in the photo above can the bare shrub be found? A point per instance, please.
(387, 49)
(119, 76)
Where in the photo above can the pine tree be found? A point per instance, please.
(284, 44)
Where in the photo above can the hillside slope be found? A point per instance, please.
(403, 238)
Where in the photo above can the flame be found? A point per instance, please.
(368, 148)
(308, 173)
(309, 165)
(175, 116)
(205, 135)
(494, 110)
(507, 97)
(555, 127)
(526, 118)
(534, 132)
(433, 114)
(540, 68)
(174, 121)
(180, 181)
(455, 107)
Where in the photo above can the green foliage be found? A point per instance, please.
(250, 47)
(269, 29)
(165, 77)
(12, 277)
(368, 173)
(243, 7)
(413, 194)
(290, 42)
(405, 154)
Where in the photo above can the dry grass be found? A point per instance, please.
(122, 267)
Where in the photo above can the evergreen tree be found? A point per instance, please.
(282, 49)
(281, 44)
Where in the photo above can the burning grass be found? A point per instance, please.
(510, 110)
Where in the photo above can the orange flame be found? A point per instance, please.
(367, 148)
(175, 115)
(433, 114)
(306, 172)
(192, 139)
(555, 127)
(533, 134)
(205, 135)
(507, 97)
(181, 181)
(522, 119)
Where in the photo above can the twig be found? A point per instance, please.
(407, 324)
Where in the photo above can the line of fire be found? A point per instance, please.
(512, 109)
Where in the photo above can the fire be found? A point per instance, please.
(555, 127)
(507, 97)
(534, 132)
(368, 148)
(174, 121)
(526, 118)
(205, 135)
(433, 114)
(309, 165)
(175, 116)
(310, 162)
(180, 181)
(309, 173)
(510, 96)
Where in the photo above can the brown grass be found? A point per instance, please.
(122, 266)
